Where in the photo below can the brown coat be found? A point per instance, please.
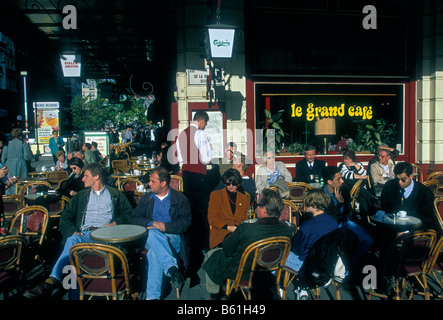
(220, 214)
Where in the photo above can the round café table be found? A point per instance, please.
(399, 224)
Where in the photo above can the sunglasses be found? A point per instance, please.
(403, 179)
(235, 184)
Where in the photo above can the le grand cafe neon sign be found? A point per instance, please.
(365, 112)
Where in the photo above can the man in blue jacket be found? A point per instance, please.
(166, 213)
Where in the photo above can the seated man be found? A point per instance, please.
(166, 213)
(382, 170)
(307, 169)
(404, 193)
(222, 263)
(340, 207)
(96, 207)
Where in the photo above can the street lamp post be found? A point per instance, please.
(24, 74)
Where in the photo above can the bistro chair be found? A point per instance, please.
(54, 177)
(297, 191)
(55, 209)
(102, 271)
(436, 265)
(291, 213)
(436, 175)
(408, 257)
(438, 211)
(129, 184)
(417, 171)
(176, 182)
(11, 263)
(120, 166)
(434, 185)
(11, 204)
(31, 222)
(34, 186)
(316, 273)
(266, 255)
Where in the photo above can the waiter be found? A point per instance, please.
(194, 152)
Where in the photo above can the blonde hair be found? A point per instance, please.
(16, 133)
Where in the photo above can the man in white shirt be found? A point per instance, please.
(195, 153)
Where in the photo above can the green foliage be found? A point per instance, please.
(368, 137)
(273, 122)
(94, 114)
(295, 147)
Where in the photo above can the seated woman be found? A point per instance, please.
(74, 183)
(351, 170)
(268, 173)
(62, 162)
(227, 208)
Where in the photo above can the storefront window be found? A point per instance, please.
(369, 114)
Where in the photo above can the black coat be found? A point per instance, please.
(303, 172)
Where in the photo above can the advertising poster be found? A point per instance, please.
(47, 119)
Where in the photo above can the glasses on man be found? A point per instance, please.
(404, 179)
(74, 168)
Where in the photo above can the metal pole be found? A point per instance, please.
(24, 74)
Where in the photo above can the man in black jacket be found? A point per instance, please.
(404, 193)
(166, 213)
(309, 168)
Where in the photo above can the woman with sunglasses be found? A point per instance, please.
(227, 208)
(74, 183)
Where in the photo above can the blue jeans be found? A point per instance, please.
(162, 250)
(63, 259)
(293, 261)
(365, 242)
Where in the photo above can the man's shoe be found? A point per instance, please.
(177, 281)
(43, 290)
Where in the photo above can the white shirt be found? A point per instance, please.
(202, 142)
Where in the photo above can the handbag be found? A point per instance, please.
(281, 186)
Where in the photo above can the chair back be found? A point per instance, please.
(297, 192)
(55, 209)
(436, 175)
(355, 191)
(11, 249)
(102, 270)
(54, 177)
(12, 203)
(268, 254)
(176, 182)
(290, 213)
(410, 251)
(120, 166)
(129, 184)
(417, 171)
(31, 222)
(434, 185)
(34, 186)
(438, 211)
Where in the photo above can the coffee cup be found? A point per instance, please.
(402, 214)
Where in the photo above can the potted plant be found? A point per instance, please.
(273, 122)
(368, 137)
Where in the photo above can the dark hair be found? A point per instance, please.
(272, 201)
(201, 115)
(232, 175)
(403, 167)
(163, 174)
(350, 154)
(97, 169)
(329, 172)
(74, 161)
(93, 143)
(245, 161)
(88, 145)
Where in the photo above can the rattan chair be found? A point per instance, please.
(438, 211)
(266, 255)
(55, 209)
(176, 182)
(54, 177)
(435, 267)
(297, 192)
(11, 263)
(409, 256)
(291, 213)
(417, 172)
(120, 166)
(434, 185)
(34, 186)
(32, 223)
(129, 184)
(101, 270)
(12, 203)
(437, 175)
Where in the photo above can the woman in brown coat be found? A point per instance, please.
(227, 208)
